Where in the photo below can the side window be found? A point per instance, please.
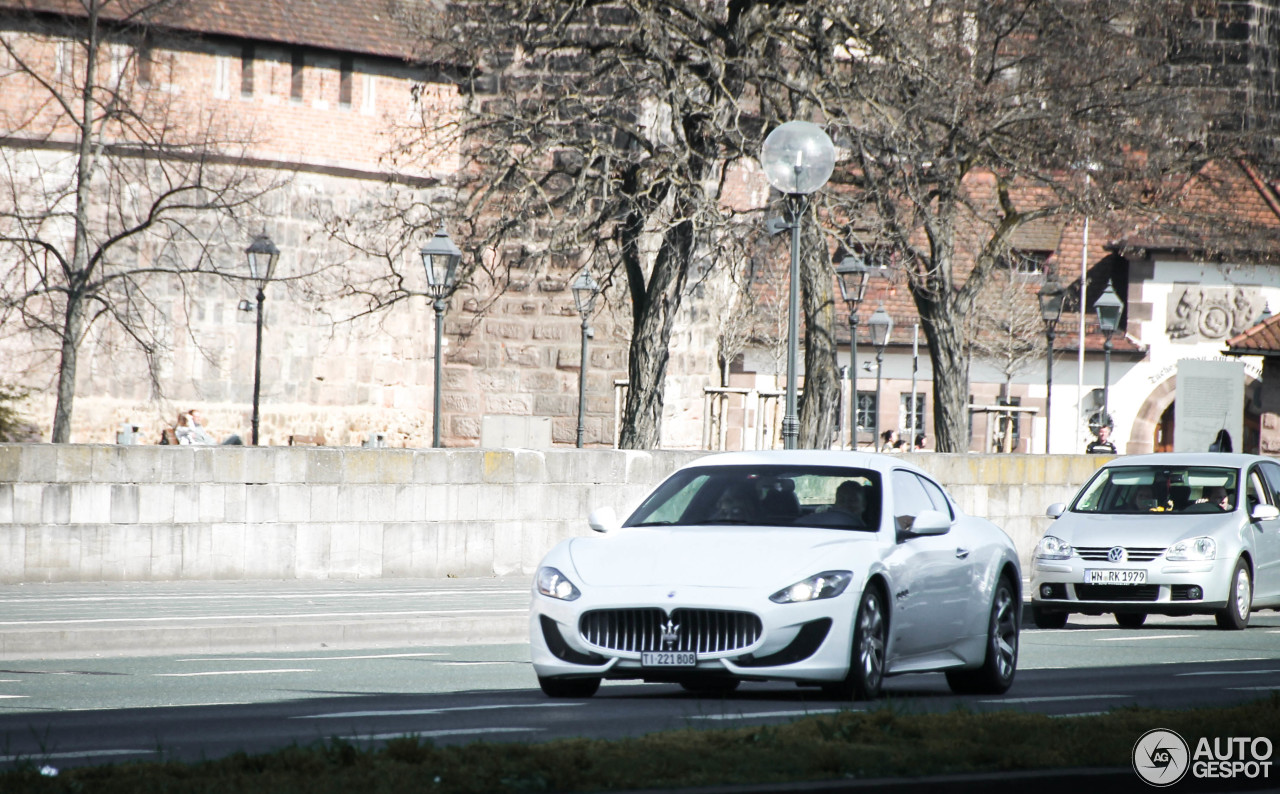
(1256, 492)
(939, 497)
(1271, 473)
(909, 498)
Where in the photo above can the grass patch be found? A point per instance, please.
(881, 743)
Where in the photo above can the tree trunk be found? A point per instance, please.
(821, 398)
(950, 358)
(654, 309)
(72, 326)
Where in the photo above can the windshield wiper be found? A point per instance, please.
(653, 524)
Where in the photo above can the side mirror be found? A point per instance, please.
(1055, 510)
(931, 522)
(603, 519)
(1265, 513)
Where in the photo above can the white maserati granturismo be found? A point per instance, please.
(829, 569)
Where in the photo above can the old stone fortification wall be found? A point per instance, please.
(113, 513)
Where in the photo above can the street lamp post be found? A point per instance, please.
(798, 158)
(263, 256)
(585, 290)
(852, 275)
(440, 258)
(1051, 297)
(1109, 307)
(881, 326)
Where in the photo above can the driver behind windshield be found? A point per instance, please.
(736, 503)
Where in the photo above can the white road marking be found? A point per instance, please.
(234, 672)
(1054, 699)
(1147, 637)
(292, 616)
(1232, 672)
(42, 756)
(11, 697)
(420, 712)
(473, 664)
(1255, 688)
(132, 598)
(307, 658)
(758, 714)
(382, 737)
(1078, 714)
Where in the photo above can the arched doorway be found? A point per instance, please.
(1153, 428)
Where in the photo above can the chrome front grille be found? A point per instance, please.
(1132, 553)
(699, 630)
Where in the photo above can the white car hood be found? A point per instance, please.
(713, 556)
(1083, 529)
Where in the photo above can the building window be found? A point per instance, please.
(246, 71)
(344, 82)
(1009, 428)
(904, 413)
(866, 411)
(142, 64)
(1025, 265)
(221, 77)
(368, 98)
(295, 83)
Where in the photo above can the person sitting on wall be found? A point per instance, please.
(191, 430)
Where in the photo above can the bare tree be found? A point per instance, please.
(605, 132)
(1008, 333)
(965, 120)
(109, 185)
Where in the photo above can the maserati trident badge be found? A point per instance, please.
(670, 635)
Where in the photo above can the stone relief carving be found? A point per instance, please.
(1199, 313)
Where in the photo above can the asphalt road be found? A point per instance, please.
(458, 686)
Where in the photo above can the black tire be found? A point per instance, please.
(711, 686)
(1131, 620)
(569, 687)
(1048, 620)
(1235, 615)
(867, 657)
(998, 669)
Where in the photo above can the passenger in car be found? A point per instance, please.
(1144, 499)
(1216, 495)
(736, 503)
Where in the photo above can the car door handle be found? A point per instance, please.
(961, 553)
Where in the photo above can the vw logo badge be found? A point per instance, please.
(1116, 554)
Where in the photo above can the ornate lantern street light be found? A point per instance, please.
(1109, 307)
(1052, 297)
(881, 327)
(852, 274)
(798, 158)
(263, 256)
(585, 291)
(440, 258)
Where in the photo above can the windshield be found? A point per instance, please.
(1159, 490)
(809, 496)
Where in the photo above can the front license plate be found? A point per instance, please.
(668, 659)
(1109, 576)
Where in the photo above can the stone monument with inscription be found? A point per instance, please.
(1209, 399)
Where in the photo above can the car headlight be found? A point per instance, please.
(1051, 548)
(1201, 548)
(827, 584)
(553, 583)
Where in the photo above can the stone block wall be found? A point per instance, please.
(134, 513)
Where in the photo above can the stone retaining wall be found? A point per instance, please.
(112, 513)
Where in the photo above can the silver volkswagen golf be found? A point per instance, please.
(1170, 534)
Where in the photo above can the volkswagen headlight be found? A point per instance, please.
(827, 584)
(1051, 548)
(554, 584)
(1193, 549)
